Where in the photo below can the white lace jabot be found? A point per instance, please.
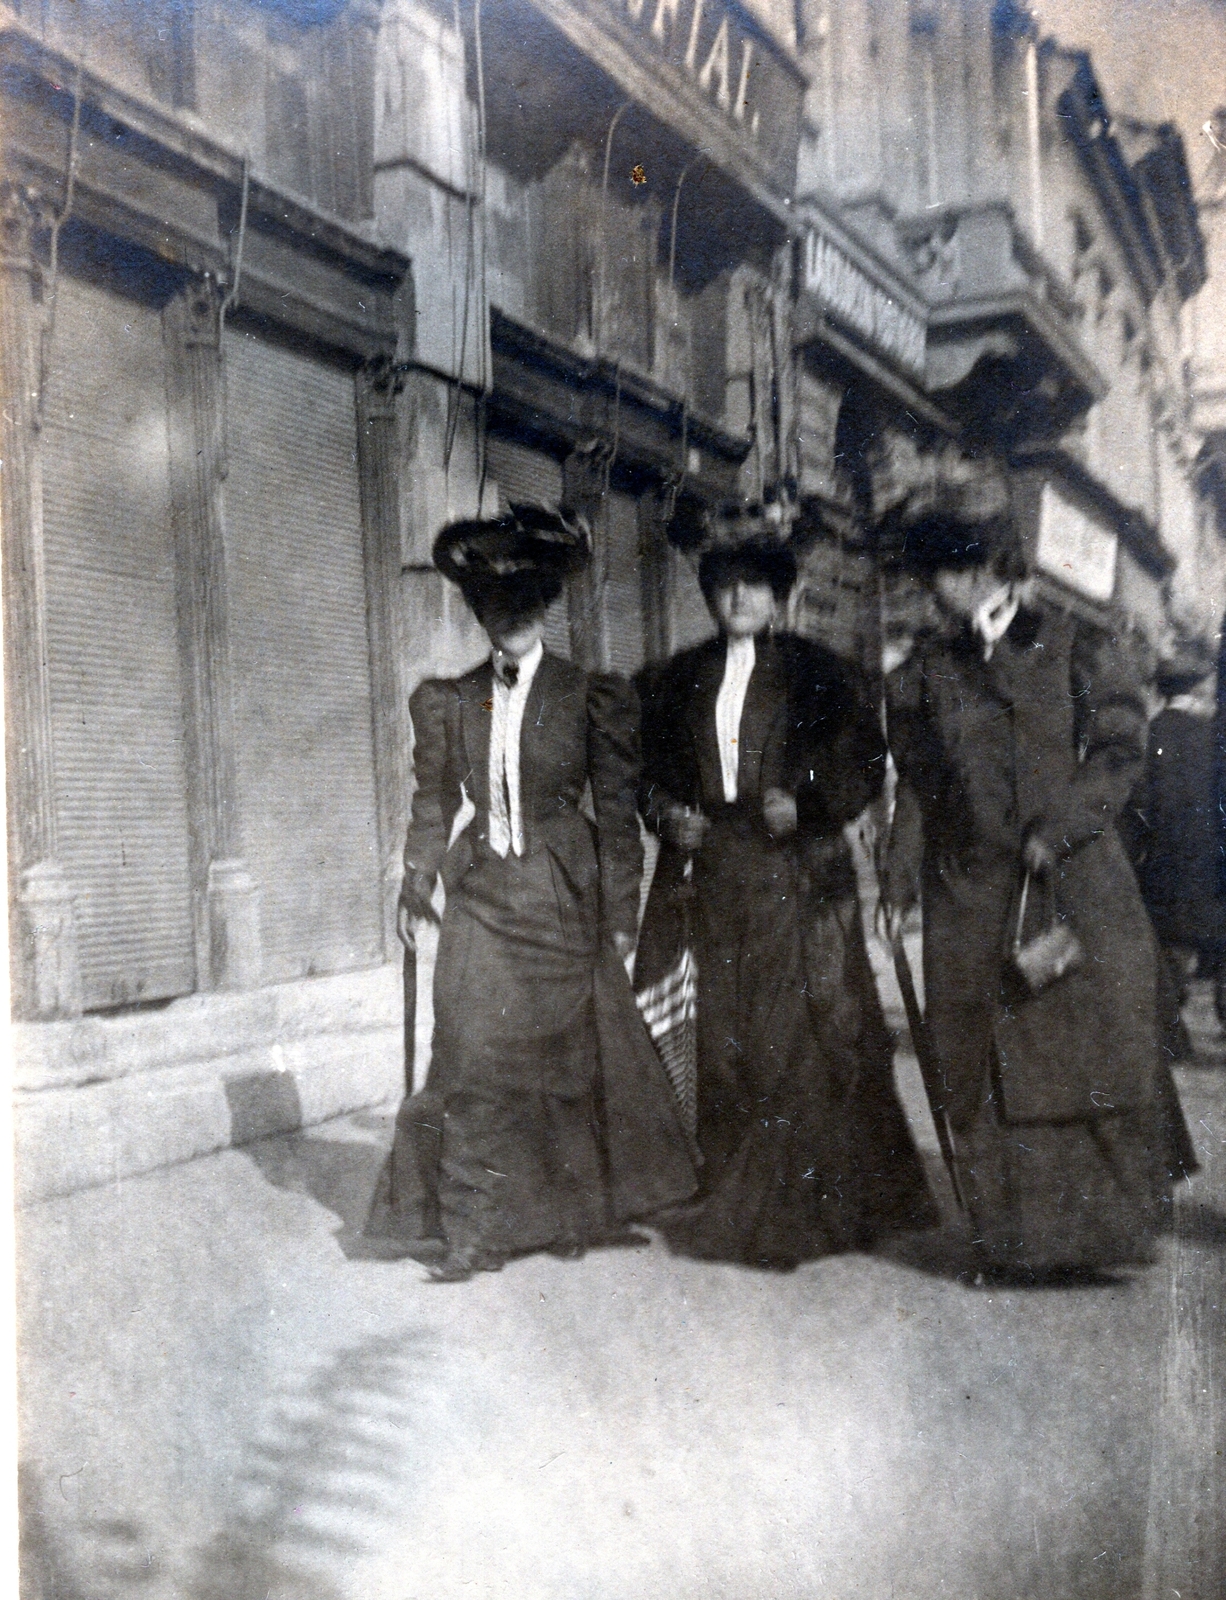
(729, 703)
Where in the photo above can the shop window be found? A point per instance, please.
(170, 50)
(145, 45)
(594, 286)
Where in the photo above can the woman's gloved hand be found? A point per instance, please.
(684, 828)
(779, 813)
(1038, 856)
(416, 905)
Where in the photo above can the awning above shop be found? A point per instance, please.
(546, 393)
(854, 308)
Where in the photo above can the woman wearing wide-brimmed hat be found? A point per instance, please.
(545, 1120)
(1018, 733)
(758, 747)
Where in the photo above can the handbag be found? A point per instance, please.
(1050, 955)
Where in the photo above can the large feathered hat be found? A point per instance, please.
(737, 538)
(940, 508)
(527, 553)
(942, 541)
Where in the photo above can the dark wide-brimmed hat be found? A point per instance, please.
(1183, 669)
(941, 509)
(526, 554)
(942, 543)
(756, 559)
(736, 539)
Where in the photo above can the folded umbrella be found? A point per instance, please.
(929, 1071)
(668, 1002)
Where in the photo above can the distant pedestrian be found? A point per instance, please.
(1219, 765)
(546, 1120)
(1176, 834)
(1019, 733)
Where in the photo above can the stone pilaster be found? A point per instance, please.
(226, 904)
(656, 574)
(45, 963)
(378, 385)
(583, 490)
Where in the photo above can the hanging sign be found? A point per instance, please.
(851, 297)
(709, 57)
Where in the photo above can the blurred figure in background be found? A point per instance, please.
(1174, 831)
(1219, 769)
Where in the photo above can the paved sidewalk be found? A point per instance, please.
(224, 1401)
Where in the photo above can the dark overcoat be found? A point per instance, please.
(1046, 738)
(1176, 833)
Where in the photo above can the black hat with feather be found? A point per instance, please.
(523, 556)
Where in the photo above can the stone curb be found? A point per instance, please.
(336, 1046)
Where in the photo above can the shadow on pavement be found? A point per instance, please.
(1200, 1224)
(328, 1457)
(341, 1174)
(88, 1558)
(948, 1253)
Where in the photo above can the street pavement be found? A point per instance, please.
(224, 1400)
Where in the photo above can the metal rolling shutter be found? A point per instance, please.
(691, 620)
(116, 699)
(531, 476)
(621, 585)
(299, 643)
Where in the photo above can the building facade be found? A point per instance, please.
(1205, 342)
(289, 283)
(206, 753)
(594, 195)
(1052, 246)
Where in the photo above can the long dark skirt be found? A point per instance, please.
(505, 1134)
(785, 1177)
(1082, 1193)
(881, 1180)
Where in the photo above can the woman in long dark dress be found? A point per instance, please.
(545, 1120)
(757, 750)
(1018, 734)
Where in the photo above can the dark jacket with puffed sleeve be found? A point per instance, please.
(579, 738)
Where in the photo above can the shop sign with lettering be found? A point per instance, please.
(1079, 552)
(851, 297)
(748, 79)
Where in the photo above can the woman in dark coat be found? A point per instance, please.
(757, 749)
(1018, 736)
(545, 1118)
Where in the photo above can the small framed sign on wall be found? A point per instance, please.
(1074, 548)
